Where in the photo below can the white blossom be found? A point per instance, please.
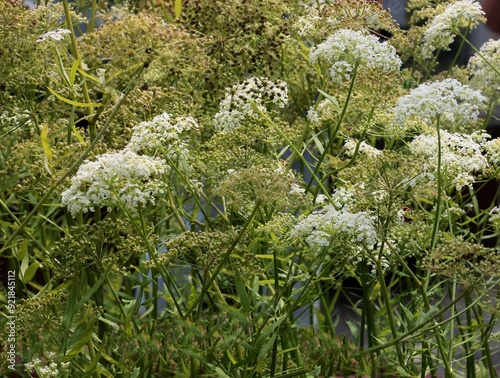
(450, 100)
(485, 68)
(115, 178)
(461, 157)
(324, 111)
(346, 48)
(55, 35)
(441, 30)
(350, 145)
(492, 149)
(494, 218)
(237, 106)
(162, 131)
(319, 227)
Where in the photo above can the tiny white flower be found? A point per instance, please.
(363, 148)
(162, 131)
(485, 68)
(442, 29)
(461, 157)
(346, 48)
(115, 178)
(321, 225)
(237, 106)
(449, 100)
(55, 35)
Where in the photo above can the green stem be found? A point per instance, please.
(415, 331)
(387, 302)
(223, 261)
(336, 129)
(437, 219)
(297, 152)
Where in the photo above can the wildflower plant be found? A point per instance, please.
(198, 188)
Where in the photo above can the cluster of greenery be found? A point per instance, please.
(192, 188)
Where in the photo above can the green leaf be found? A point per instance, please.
(109, 322)
(24, 265)
(30, 272)
(46, 147)
(262, 337)
(265, 348)
(22, 251)
(178, 8)
(242, 292)
(81, 336)
(354, 329)
(330, 98)
(91, 368)
(111, 360)
(89, 76)
(234, 313)
(74, 67)
(75, 103)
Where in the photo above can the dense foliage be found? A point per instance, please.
(195, 188)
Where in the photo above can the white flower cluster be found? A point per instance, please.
(306, 25)
(115, 178)
(485, 68)
(162, 131)
(364, 148)
(237, 105)
(449, 100)
(441, 30)
(321, 225)
(461, 156)
(492, 149)
(55, 35)
(325, 111)
(343, 197)
(45, 371)
(346, 48)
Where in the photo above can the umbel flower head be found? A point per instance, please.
(461, 156)
(322, 226)
(441, 30)
(237, 106)
(449, 100)
(485, 68)
(162, 131)
(120, 178)
(346, 48)
(54, 35)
